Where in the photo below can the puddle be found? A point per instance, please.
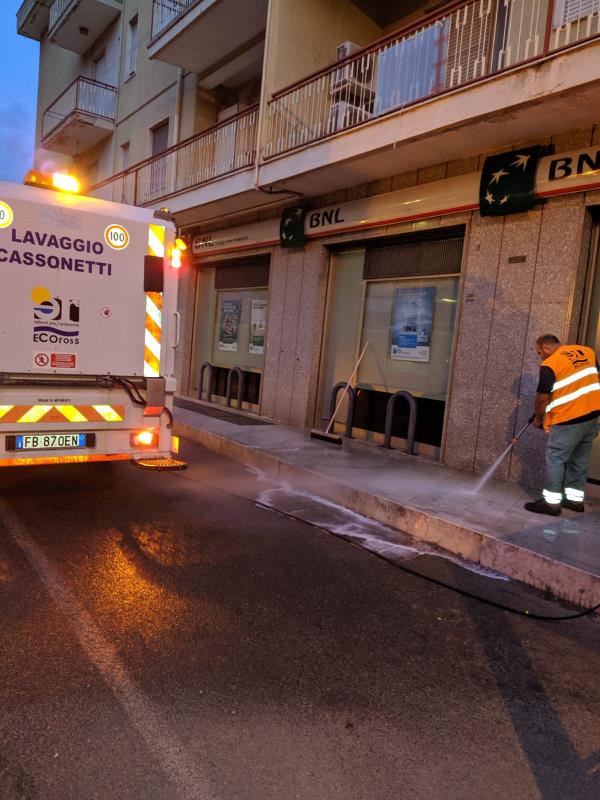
(362, 531)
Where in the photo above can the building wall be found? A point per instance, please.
(136, 128)
(145, 99)
(151, 77)
(303, 37)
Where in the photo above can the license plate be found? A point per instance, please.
(50, 441)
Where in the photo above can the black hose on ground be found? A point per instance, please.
(518, 611)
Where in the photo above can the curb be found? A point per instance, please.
(562, 580)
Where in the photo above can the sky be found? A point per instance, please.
(18, 95)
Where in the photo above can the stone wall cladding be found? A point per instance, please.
(296, 307)
(505, 307)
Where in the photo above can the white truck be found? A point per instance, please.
(88, 329)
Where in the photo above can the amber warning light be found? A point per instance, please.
(177, 253)
(58, 181)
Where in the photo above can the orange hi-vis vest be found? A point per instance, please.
(576, 390)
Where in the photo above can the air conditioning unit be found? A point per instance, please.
(346, 49)
(354, 79)
(343, 115)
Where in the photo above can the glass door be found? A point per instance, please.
(406, 324)
(592, 338)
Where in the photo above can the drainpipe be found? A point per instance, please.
(262, 113)
(178, 107)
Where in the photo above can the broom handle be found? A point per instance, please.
(346, 387)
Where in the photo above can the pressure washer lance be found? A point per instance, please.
(326, 435)
(488, 474)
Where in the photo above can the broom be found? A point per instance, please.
(326, 435)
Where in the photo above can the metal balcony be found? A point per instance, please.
(227, 149)
(449, 50)
(32, 18)
(82, 116)
(76, 24)
(196, 35)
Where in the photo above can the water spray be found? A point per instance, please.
(491, 470)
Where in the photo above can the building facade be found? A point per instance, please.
(356, 131)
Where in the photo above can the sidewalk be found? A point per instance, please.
(426, 500)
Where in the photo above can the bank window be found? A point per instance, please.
(401, 300)
(239, 330)
(230, 325)
(592, 336)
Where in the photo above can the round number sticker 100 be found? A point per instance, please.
(6, 215)
(117, 237)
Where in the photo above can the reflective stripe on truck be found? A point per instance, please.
(67, 413)
(154, 306)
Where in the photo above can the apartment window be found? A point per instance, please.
(572, 10)
(99, 65)
(125, 155)
(158, 168)
(92, 173)
(160, 138)
(132, 46)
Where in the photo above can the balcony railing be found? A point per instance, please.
(57, 9)
(84, 95)
(465, 44)
(165, 11)
(219, 151)
(32, 18)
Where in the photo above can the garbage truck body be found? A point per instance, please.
(88, 329)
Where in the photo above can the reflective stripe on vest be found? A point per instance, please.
(568, 398)
(576, 389)
(576, 377)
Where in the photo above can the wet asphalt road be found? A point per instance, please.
(162, 637)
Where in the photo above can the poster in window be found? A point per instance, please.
(229, 325)
(412, 321)
(258, 324)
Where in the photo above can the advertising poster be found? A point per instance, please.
(258, 324)
(412, 321)
(229, 326)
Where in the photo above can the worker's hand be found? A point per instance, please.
(538, 423)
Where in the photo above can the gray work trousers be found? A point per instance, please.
(568, 455)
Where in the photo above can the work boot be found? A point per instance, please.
(542, 507)
(572, 505)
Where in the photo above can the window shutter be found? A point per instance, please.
(416, 256)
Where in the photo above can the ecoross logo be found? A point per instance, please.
(117, 237)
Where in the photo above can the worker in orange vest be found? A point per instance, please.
(567, 406)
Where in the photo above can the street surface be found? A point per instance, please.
(162, 636)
